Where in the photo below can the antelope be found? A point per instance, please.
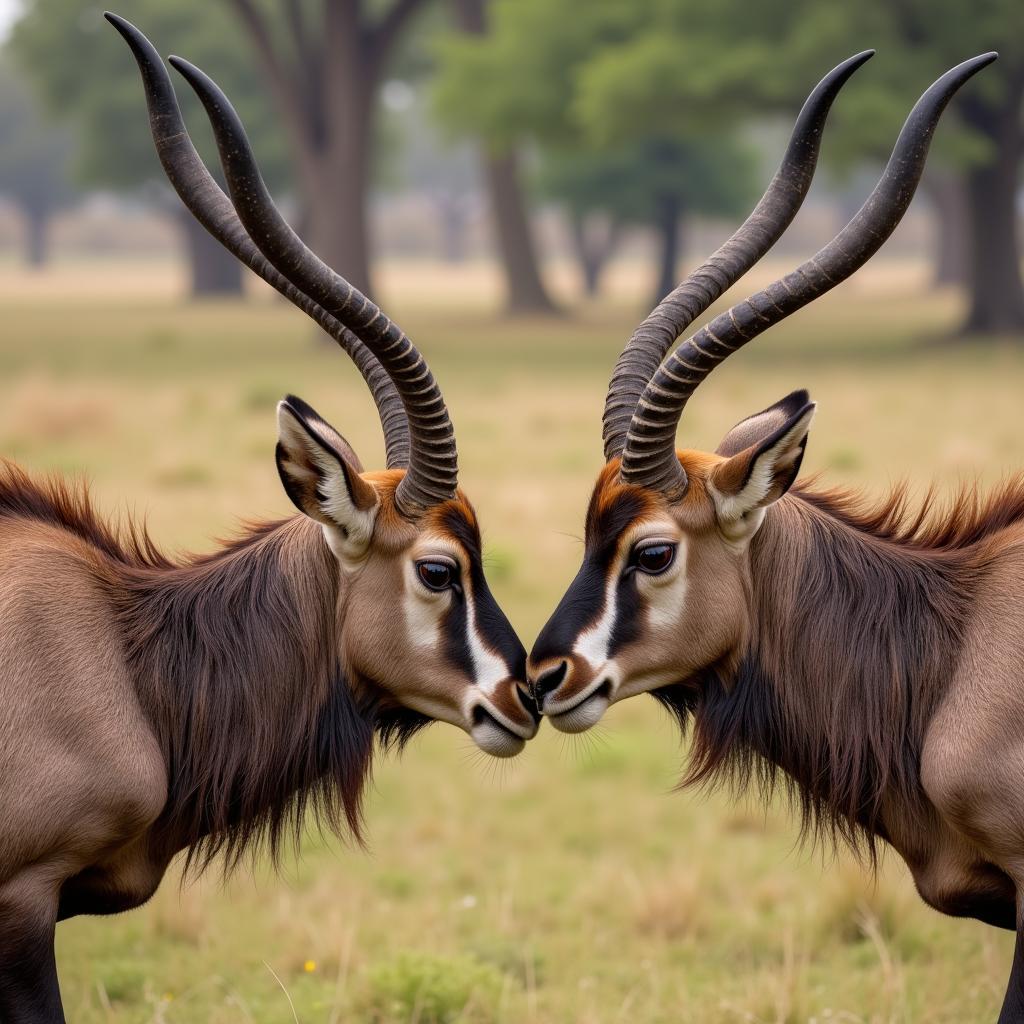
(152, 706)
(866, 659)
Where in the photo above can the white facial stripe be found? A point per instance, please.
(666, 595)
(424, 612)
(424, 609)
(593, 642)
(488, 668)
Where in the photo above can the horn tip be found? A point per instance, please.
(137, 42)
(192, 74)
(123, 25)
(973, 64)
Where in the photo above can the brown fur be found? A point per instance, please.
(891, 587)
(863, 657)
(252, 711)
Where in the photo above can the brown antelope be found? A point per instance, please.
(867, 659)
(152, 706)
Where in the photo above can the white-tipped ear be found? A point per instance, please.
(320, 473)
(752, 479)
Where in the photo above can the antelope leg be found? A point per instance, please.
(1013, 1003)
(29, 993)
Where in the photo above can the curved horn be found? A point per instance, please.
(433, 461)
(211, 207)
(759, 232)
(649, 457)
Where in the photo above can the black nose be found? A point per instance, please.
(549, 681)
(528, 701)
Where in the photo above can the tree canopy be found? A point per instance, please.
(604, 75)
(87, 77)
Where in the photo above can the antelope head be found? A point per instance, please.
(663, 590)
(416, 621)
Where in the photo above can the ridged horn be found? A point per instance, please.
(211, 207)
(759, 232)
(649, 456)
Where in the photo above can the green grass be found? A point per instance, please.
(572, 885)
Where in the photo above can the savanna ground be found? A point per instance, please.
(571, 885)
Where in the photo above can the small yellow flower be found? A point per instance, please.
(168, 997)
(309, 966)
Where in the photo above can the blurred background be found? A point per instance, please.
(515, 181)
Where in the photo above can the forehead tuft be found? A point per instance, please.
(457, 519)
(615, 506)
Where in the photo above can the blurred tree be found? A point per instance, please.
(657, 181)
(87, 77)
(608, 74)
(324, 61)
(321, 62)
(524, 286)
(527, 82)
(34, 159)
(946, 192)
(765, 56)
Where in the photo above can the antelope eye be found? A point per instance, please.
(655, 558)
(436, 575)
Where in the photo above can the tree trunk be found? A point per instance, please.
(952, 228)
(669, 215)
(588, 261)
(525, 288)
(338, 196)
(593, 246)
(326, 97)
(214, 271)
(37, 249)
(997, 295)
(453, 216)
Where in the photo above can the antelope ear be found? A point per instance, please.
(765, 452)
(320, 473)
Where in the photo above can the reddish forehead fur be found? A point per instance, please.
(610, 490)
(394, 528)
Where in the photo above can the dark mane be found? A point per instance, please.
(233, 655)
(859, 618)
(259, 720)
(65, 505)
(969, 517)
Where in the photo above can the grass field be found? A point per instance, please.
(570, 886)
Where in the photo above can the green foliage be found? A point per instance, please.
(596, 85)
(87, 77)
(544, 75)
(632, 182)
(432, 989)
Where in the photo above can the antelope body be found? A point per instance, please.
(868, 659)
(150, 707)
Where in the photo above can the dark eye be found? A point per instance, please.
(655, 558)
(436, 575)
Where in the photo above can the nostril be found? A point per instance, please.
(527, 700)
(549, 681)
